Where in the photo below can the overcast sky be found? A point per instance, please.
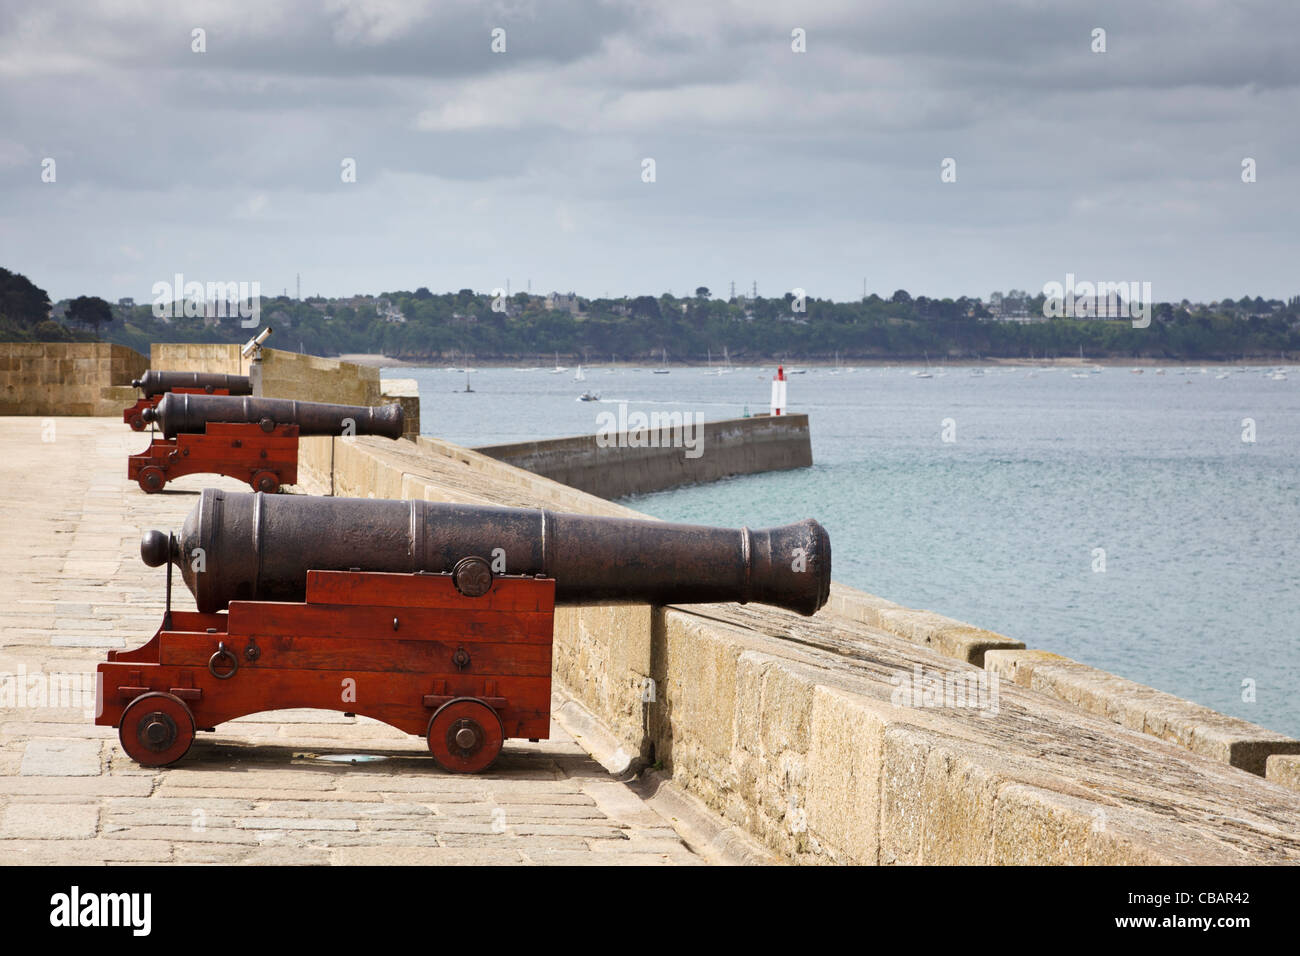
(814, 170)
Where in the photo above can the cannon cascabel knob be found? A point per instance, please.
(155, 548)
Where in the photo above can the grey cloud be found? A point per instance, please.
(819, 167)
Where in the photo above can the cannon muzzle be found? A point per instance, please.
(185, 414)
(157, 382)
(256, 547)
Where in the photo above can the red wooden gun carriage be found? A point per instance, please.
(252, 439)
(393, 609)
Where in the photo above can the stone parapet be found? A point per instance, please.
(65, 378)
(825, 739)
(1204, 731)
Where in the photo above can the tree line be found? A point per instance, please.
(464, 326)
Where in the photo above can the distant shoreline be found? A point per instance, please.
(383, 361)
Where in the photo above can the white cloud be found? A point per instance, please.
(254, 207)
(373, 22)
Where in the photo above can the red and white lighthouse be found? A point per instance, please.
(778, 391)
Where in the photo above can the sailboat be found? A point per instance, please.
(665, 369)
(558, 368)
(726, 357)
(927, 373)
(467, 388)
(579, 377)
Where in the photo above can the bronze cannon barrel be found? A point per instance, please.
(157, 382)
(240, 546)
(177, 413)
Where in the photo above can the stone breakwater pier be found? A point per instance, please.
(870, 733)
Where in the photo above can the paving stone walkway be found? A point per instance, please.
(264, 789)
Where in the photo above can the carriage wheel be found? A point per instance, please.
(156, 729)
(465, 735)
(151, 479)
(137, 423)
(266, 481)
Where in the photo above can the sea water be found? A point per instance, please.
(1144, 524)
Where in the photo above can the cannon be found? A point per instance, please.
(191, 414)
(153, 385)
(434, 618)
(253, 439)
(210, 383)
